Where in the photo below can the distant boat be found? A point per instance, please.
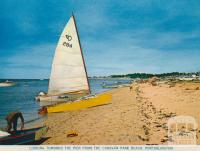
(187, 78)
(109, 86)
(7, 83)
(69, 80)
(116, 84)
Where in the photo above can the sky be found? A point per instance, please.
(117, 36)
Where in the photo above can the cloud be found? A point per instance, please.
(34, 61)
(122, 55)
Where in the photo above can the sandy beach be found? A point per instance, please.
(138, 116)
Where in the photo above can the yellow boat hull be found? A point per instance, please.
(100, 99)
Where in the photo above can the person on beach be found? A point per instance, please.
(12, 119)
(131, 88)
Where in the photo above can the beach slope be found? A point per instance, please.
(137, 116)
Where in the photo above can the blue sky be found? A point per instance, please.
(117, 36)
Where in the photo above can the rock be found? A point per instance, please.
(143, 139)
(164, 140)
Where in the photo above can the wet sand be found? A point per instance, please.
(134, 117)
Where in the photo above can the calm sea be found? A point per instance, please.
(20, 97)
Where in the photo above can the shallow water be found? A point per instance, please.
(20, 97)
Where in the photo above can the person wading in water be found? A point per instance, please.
(12, 119)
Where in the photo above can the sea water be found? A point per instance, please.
(20, 97)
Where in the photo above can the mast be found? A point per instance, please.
(81, 52)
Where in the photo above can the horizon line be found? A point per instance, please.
(101, 75)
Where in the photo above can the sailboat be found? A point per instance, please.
(7, 83)
(68, 79)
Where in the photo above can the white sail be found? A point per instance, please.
(68, 72)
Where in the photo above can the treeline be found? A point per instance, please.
(148, 75)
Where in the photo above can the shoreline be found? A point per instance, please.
(39, 122)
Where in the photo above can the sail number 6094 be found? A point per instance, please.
(67, 44)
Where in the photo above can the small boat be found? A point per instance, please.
(24, 136)
(109, 86)
(7, 83)
(69, 80)
(82, 103)
(124, 85)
